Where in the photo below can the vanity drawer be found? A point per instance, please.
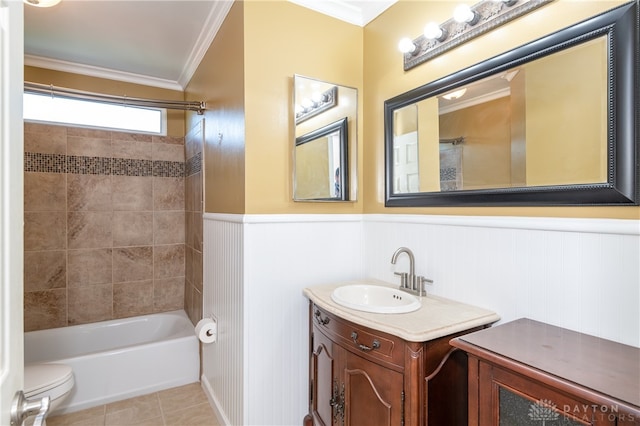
(366, 342)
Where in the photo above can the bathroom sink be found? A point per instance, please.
(375, 298)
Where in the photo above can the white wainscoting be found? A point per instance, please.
(262, 321)
(580, 274)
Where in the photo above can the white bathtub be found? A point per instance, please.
(119, 359)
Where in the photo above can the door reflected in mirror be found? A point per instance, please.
(325, 143)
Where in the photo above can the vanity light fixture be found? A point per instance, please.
(42, 3)
(467, 23)
(318, 103)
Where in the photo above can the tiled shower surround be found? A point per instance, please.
(104, 225)
(193, 225)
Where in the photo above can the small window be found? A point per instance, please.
(84, 113)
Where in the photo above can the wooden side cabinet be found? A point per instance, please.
(530, 373)
(361, 376)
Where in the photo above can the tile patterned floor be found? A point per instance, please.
(182, 406)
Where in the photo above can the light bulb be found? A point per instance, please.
(406, 45)
(463, 13)
(433, 31)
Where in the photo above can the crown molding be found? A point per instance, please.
(213, 23)
(210, 29)
(92, 71)
(348, 11)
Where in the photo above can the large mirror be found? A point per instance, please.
(553, 122)
(325, 145)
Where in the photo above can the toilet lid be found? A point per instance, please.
(40, 378)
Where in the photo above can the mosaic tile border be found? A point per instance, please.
(59, 163)
(194, 164)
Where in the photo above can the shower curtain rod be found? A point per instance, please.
(61, 92)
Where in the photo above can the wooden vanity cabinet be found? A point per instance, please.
(528, 373)
(360, 376)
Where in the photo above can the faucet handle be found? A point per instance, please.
(404, 279)
(421, 284)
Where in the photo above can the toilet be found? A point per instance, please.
(54, 380)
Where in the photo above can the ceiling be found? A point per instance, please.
(151, 42)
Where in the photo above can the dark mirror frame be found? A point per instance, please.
(620, 25)
(342, 126)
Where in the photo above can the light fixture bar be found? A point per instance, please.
(482, 17)
(328, 99)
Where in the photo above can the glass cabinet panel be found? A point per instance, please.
(516, 410)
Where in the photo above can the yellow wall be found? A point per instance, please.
(567, 144)
(219, 81)
(175, 119)
(283, 39)
(384, 78)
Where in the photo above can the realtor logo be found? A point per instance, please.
(543, 410)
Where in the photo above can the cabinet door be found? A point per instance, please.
(517, 400)
(324, 379)
(373, 394)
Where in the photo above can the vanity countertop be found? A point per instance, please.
(436, 317)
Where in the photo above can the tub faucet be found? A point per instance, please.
(409, 282)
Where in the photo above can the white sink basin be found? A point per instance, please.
(375, 298)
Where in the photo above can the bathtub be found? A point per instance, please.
(119, 359)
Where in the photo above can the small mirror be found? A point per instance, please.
(324, 152)
(550, 122)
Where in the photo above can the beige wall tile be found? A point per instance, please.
(197, 270)
(131, 137)
(169, 227)
(45, 230)
(188, 264)
(90, 304)
(89, 229)
(51, 141)
(131, 149)
(168, 193)
(168, 152)
(89, 133)
(132, 229)
(168, 261)
(168, 139)
(88, 146)
(132, 193)
(89, 192)
(44, 270)
(133, 298)
(132, 264)
(45, 309)
(45, 192)
(168, 294)
(74, 220)
(89, 267)
(197, 230)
